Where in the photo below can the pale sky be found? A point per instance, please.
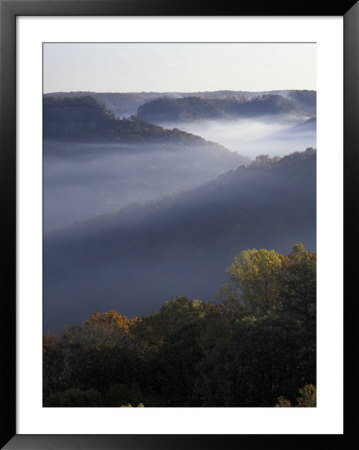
(178, 67)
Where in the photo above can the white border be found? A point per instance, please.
(327, 417)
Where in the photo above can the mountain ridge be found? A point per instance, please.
(166, 109)
(83, 119)
(180, 245)
(127, 103)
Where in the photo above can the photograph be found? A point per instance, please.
(179, 224)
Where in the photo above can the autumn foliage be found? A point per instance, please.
(254, 346)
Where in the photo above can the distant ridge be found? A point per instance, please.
(127, 103)
(83, 119)
(194, 108)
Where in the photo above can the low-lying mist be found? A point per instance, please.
(84, 180)
(135, 259)
(271, 135)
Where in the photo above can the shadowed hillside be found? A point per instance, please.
(126, 104)
(83, 119)
(137, 258)
(194, 108)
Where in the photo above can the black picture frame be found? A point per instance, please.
(9, 10)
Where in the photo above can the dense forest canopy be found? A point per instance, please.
(254, 348)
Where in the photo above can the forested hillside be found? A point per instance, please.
(179, 226)
(126, 104)
(96, 164)
(195, 108)
(83, 119)
(140, 256)
(257, 348)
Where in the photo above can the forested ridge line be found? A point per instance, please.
(254, 346)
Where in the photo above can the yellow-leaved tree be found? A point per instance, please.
(257, 274)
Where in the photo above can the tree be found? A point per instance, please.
(298, 284)
(123, 394)
(257, 350)
(53, 364)
(271, 357)
(109, 329)
(109, 318)
(283, 403)
(307, 397)
(257, 274)
(75, 397)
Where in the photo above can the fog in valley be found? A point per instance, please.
(85, 180)
(179, 224)
(136, 213)
(276, 135)
(135, 259)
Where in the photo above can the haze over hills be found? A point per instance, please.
(309, 124)
(95, 163)
(126, 104)
(135, 259)
(195, 108)
(83, 119)
(165, 222)
(83, 180)
(179, 224)
(242, 122)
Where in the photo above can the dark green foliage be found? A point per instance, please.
(273, 355)
(298, 284)
(53, 364)
(74, 397)
(192, 353)
(123, 394)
